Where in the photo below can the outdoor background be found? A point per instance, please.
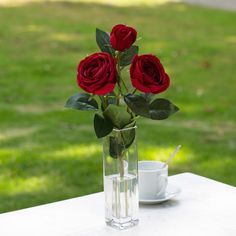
(48, 153)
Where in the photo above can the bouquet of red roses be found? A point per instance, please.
(120, 101)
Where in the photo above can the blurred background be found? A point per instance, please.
(48, 153)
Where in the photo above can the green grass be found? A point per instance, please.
(48, 153)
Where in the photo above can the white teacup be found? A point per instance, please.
(153, 179)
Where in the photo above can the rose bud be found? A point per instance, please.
(122, 37)
(97, 73)
(148, 75)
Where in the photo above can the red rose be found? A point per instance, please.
(148, 75)
(122, 37)
(97, 73)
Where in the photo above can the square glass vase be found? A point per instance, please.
(120, 172)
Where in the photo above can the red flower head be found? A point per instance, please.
(148, 75)
(122, 37)
(97, 73)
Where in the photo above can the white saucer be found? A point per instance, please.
(171, 191)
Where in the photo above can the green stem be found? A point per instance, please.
(127, 90)
(115, 190)
(121, 167)
(118, 101)
(118, 70)
(120, 80)
(104, 101)
(126, 199)
(134, 91)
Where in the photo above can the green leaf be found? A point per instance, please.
(147, 96)
(115, 148)
(138, 104)
(117, 115)
(110, 99)
(102, 126)
(161, 109)
(103, 42)
(121, 140)
(127, 56)
(128, 135)
(82, 101)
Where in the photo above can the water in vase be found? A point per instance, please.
(121, 200)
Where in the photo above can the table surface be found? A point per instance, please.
(204, 207)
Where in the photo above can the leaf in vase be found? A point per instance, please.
(115, 148)
(122, 140)
(128, 135)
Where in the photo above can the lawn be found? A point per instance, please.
(48, 153)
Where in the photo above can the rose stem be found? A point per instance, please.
(126, 187)
(118, 71)
(120, 157)
(103, 101)
(116, 200)
(127, 90)
(126, 198)
(121, 167)
(106, 101)
(119, 68)
(134, 91)
(117, 99)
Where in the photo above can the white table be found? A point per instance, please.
(204, 207)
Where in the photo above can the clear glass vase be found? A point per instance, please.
(120, 169)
